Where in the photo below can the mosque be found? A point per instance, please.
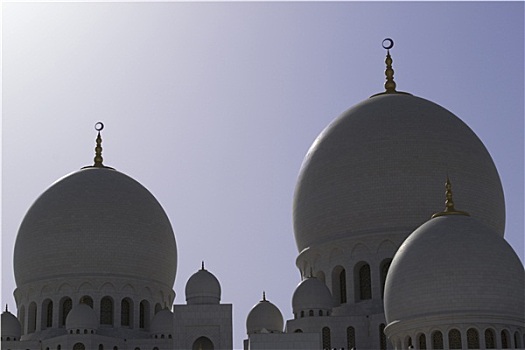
(386, 259)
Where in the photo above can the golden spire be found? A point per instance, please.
(449, 203)
(390, 84)
(98, 149)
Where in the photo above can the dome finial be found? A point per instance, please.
(264, 296)
(202, 265)
(390, 84)
(6, 310)
(98, 149)
(449, 203)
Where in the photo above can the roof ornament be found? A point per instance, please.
(99, 126)
(390, 84)
(449, 203)
(202, 265)
(98, 149)
(6, 310)
(264, 296)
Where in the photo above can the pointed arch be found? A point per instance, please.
(362, 281)
(31, 318)
(65, 306)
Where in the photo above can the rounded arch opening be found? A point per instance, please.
(202, 343)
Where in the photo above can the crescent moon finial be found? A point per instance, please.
(99, 126)
(388, 44)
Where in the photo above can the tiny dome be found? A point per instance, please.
(264, 317)
(11, 327)
(311, 294)
(162, 322)
(452, 263)
(203, 288)
(82, 316)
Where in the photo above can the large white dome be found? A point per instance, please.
(452, 266)
(96, 222)
(378, 168)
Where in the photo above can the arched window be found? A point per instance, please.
(383, 270)
(298, 331)
(339, 284)
(302, 313)
(106, 311)
(59, 347)
(517, 339)
(31, 324)
(490, 339)
(454, 339)
(437, 340)
(362, 281)
(144, 314)
(505, 339)
(472, 339)
(350, 338)
(320, 312)
(326, 338)
(382, 337)
(79, 346)
(86, 299)
(64, 307)
(202, 343)
(47, 313)
(126, 311)
(100, 347)
(422, 341)
(311, 313)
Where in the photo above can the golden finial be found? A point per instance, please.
(264, 296)
(6, 310)
(202, 265)
(390, 84)
(98, 149)
(449, 203)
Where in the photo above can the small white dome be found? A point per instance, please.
(82, 316)
(264, 317)
(162, 322)
(203, 288)
(11, 327)
(454, 265)
(311, 294)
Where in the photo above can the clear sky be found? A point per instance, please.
(212, 107)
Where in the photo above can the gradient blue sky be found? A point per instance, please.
(212, 107)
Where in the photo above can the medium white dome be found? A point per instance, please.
(82, 316)
(264, 317)
(377, 168)
(203, 288)
(454, 265)
(96, 222)
(311, 294)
